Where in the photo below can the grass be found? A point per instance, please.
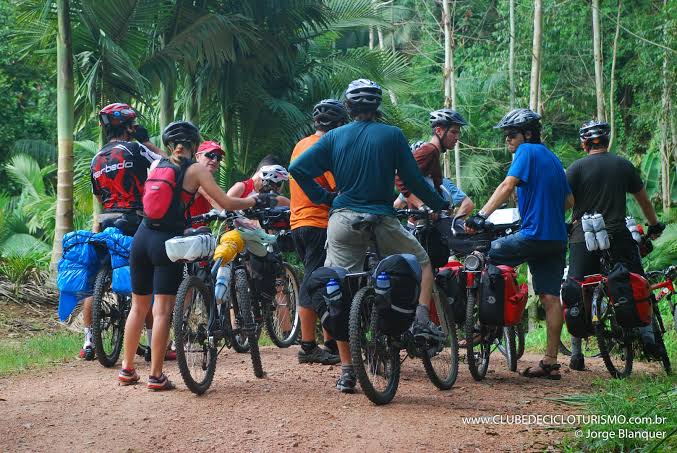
(38, 351)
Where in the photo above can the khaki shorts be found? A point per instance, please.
(347, 247)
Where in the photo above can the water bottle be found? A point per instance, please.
(589, 233)
(597, 222)
(632, 226)
(222, 283)
(586, 224)
(600, 231)
(333, 297)
(382, 284)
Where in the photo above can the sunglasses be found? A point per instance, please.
(511, 134)
(212, 155)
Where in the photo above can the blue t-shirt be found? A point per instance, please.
(541, 192)
(364, 157)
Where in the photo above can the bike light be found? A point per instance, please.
(472, 262)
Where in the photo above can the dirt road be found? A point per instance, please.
(80, 407)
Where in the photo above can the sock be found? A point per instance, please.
(308, 346)
(149, 335)
(576, 346)
(422, 314)
(89, 341)
(347, 369)
(331, 346)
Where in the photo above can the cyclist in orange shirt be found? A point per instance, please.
(309, 231)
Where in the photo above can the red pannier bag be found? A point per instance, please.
(502, 300)
(630, 295)
(451, 280)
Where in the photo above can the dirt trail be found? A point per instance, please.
(80, 407)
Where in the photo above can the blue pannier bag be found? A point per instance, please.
(76, 270)
(118, 246)
(122, 281)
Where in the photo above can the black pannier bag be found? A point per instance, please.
(397, 306)
(462, 243)
(491, 296)
(263, 272)
(576, 314)
(449, 278)
(630, 295)
(334, 313)
(436, 246)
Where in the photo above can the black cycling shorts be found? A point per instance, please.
(151, 269)
(309, 243)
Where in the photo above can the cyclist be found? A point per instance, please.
(209, 154)
(542, 195)
(152, 271)
(268, 177)
(118, 172)
(364, 157)
(446, 127)
(600, 182)
(309, 231)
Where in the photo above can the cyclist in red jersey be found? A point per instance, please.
(271, 182)
(210, 155)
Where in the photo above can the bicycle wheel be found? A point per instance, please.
(521, 338)
(441, 362)
(507, 344)
(195, 357)
(109, 314)
(375, 360)
(475, 339)
(282, 317)
(250, 330)
(238, 339)
(660, 344)
(615, 343)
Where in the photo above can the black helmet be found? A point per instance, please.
(519, 119)
(594, 129)
(416, 145)
(328, 112)
(181, 132)
(446, 117)
(363, 95)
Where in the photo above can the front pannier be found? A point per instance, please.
(630, 296)
(502, 300)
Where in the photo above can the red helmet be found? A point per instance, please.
(207, 146)
(117, 114)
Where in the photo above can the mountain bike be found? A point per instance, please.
(376, 354)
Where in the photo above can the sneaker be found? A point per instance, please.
(577, 362)
(127, 377)
(161, 383)
(318, 355)
(426, 331)
(346, 383)
(87, 353)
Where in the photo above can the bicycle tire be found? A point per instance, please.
(509, 336)
(563, 348)
(448, 324)
(238, 340)
(477, 370)
(606, 347)
(274, 332)
(107, 315)
(521, 339)
(363, 319)
(660, 344)
(250, 329)
(183, 338)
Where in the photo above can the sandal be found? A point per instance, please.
(545, 371)
(128, 376)
(160, 383)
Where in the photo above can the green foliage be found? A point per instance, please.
(665, 250)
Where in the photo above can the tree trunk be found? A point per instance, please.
(192, 100)
(166, 103)
(381, 42)
(597, 51)
(450, 84)
(612, 85)
(511, 58)
(665, 121)
(65, 125)
(371, 37)
(535, 86)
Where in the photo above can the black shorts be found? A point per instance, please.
(309, 243)
(151, 269)
(623, 250)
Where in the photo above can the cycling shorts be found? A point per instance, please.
(151, 269)
(309, 243)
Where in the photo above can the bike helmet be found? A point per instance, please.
(446, 117)
(274, 173)
(328, 112)
(416, 145)
(519, 119)
(207, 146)
(363, 95)
(117, 114)
(180, 132)
(594, 130)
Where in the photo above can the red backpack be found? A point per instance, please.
(163, 208)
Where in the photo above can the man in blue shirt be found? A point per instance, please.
(543, 195)
(364, 157)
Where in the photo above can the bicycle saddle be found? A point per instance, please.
(365, 221)
(196, 231)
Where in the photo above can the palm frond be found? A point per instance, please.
(25, 171)
(40, 150)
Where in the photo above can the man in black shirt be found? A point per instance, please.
(599, 183)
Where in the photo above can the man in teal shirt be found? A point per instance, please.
(364, 157)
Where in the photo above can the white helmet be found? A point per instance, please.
(274, 173)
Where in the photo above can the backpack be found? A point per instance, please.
(630, 295)
(162, 206)
(396, 307)
(502, 301)
(576, 313)
(449, 278)
(334, 313)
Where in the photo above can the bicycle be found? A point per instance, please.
(662, 285)
(376, 354)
